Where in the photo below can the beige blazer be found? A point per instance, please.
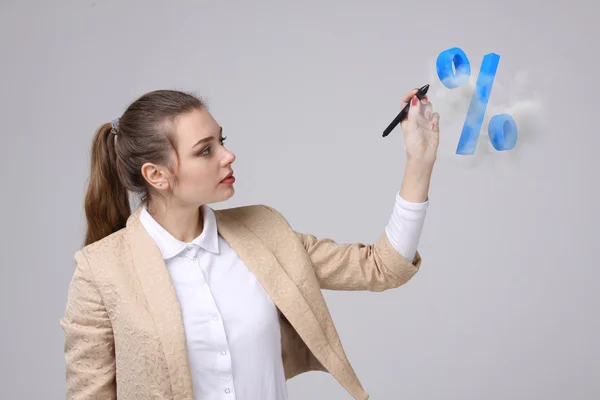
(124, 334)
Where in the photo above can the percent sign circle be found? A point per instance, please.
(454, 70)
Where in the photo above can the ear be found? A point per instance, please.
(155, 175)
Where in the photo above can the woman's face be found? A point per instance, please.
(203, 161)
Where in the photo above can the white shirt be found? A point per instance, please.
(231, 324)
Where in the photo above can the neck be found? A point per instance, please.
(184, 224)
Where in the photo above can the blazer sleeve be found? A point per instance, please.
(89, 343)
(357, 266)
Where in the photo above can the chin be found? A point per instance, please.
(229, 195)
(224, 195)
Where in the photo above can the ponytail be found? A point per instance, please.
(106, 201)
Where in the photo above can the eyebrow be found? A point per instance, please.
(208, 138)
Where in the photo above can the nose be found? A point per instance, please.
(229, 157)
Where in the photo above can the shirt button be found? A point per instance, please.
(227, 391)
(224, 352)
(194, 258)
(216, 318)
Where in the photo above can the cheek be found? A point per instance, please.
(195, 175)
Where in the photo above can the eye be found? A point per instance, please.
(208, 150)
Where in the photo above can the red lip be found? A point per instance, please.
(229, 175)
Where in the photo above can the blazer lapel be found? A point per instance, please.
(285, 294)
(163, 305)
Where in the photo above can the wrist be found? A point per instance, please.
(415, 184)
(419, 163)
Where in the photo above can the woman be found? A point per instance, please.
(179, 301)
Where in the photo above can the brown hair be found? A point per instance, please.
(145, 133)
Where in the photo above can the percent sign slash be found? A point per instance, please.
(502, 129)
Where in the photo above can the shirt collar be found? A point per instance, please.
(170, 246)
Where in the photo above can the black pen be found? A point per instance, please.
(404, 112)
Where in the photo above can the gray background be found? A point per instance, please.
(506, 303)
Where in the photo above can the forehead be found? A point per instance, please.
(196, 125)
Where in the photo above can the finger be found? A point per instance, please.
(415, 109)
(424, 99)
(427, 110)
(434, 124)
(406, 98)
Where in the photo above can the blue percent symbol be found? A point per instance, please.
(502, 129)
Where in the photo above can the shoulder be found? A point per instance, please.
(254, 214)
(105, 248)
(248, 210)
